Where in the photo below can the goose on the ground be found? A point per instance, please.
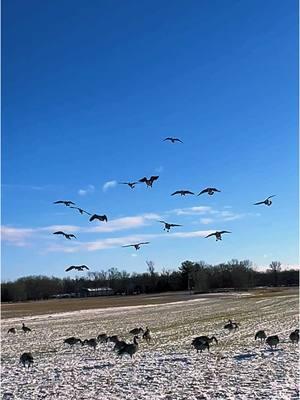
(168, 226)
(26, 358)
(267, 202)
(260, 335)
(205, 339)
(77, 267)
(113, 338)
(172, 139)
(102, 338)
(200, 345)
(217, 234)
(11, 330)
(294, 336)
(272, 341)
(71, 341)
(119, 344)
(90, 342)
(231, 325)
(66, 235)
(209, 191)
(182, 192)
(149, 182)
(129, 349)
(98, 217)
(25, 329)
(136, 331)
(147, 335)
(65, 202)
(136, 245)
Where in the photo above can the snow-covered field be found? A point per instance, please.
(169, 368)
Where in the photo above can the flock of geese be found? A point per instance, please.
(167, 225)
(121, 347)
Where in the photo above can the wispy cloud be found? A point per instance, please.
(109, 185)
(206, 221)
(16, 236)
(198, 210)
(88, 190)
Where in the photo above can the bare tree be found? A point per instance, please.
(275, 267)
(150, 265)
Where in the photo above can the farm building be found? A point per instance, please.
(103, 291)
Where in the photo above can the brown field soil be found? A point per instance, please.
(31, 308)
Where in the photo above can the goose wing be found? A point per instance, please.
(177, 192)
(153, 178)
(59, 202)
(94, 216)
(84, 267)
(188, 192)
(260, 202)
(71, 235)
(142, 243)
(221, 232)
(143, 179)
(70, 268)
(163, 222)
(215, 190)
(59, 233)
(174, 225)
(273, 195)
(168, 138)
(178, 140)
(129, 245)
(211, 234)
(203, 191)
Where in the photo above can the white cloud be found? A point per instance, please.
(206, 221)
(16, 236)
(89, 190)
(199, 210)
(109, 185)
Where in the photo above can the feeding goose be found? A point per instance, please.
(130, 184)
(136, 331)
(77, 267)
(136, 245)
(102, 338)
(71, 341)
(200, 345)
(217, 234)
(90, 342)
(231, 325)
(99, 217)
(12, 330)
(130, 349)
(168, 226)
(66, 235)
(204, 339)
(65, 202)
(209, 191)
(294, 336)
(267, 202)
(149, 182)
(81, 210)
(182, 192)
(173, 140)
(272, 341)
(260, 335)
(26, 358)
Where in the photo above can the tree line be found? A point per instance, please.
(194, 276)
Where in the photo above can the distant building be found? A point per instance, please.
(103, 291)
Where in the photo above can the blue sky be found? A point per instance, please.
(89, 90)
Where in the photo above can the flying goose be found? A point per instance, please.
(66, 235)
(25, 329)
(147, 335)
(26, 358)
(182, 192)
(12, 330)
(217, 234)
(260, 335)
(267, 202)
(130, 349)
(294, 336)
(168, 226)
(77, 267)
(231, 325)
(209, 191)
(272, 341)
(99, 217)
(149, 182)
(71, 341)
(81, 210)
(65, 202)
(130, 184)
(90, 342)
(136, 331)
(173, 140)
(136, 245)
